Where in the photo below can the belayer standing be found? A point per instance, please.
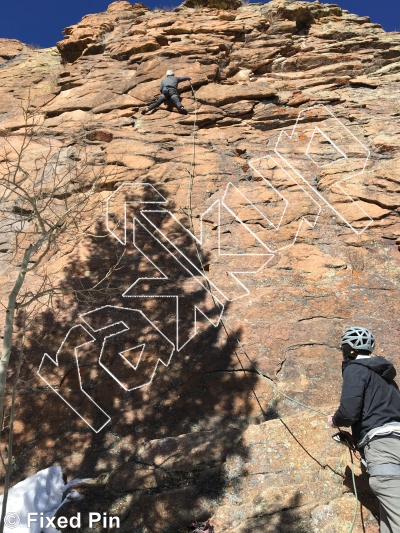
(169, 92)
(370, 404)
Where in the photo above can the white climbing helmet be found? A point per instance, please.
(170, 73)
(359, 338)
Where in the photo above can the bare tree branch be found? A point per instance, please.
(48, 193)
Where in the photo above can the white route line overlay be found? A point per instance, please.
(200, 241)
(184, 262)
(55, 361)
(161, 200)
(275, 226)
(165, 277)
(151, 188)
(360, 171)
(121, 354)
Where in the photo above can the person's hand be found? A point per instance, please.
(330, 421)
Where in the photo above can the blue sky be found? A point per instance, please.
(40, 22)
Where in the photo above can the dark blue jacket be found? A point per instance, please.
(370, 398)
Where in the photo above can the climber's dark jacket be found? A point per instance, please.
(169, 84)
(370, 398)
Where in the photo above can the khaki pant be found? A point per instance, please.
(385, 488)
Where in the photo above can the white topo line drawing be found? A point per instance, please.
(293, 154)
(293, 175)
(158, 349)
(49, 365)
(228, 266)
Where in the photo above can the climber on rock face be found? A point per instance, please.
(169, 92)
(370, 404)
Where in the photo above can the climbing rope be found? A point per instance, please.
(226, 325)
(355, 492)
(225, 321)
(193, 161)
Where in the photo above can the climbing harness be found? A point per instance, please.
(384, 469)
(229, 330)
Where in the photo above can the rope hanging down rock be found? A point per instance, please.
(225, 323)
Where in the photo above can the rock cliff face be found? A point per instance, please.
(270, 222)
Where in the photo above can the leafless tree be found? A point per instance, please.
(49, 193)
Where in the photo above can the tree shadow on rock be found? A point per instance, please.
(289, 519)
(117, 402)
